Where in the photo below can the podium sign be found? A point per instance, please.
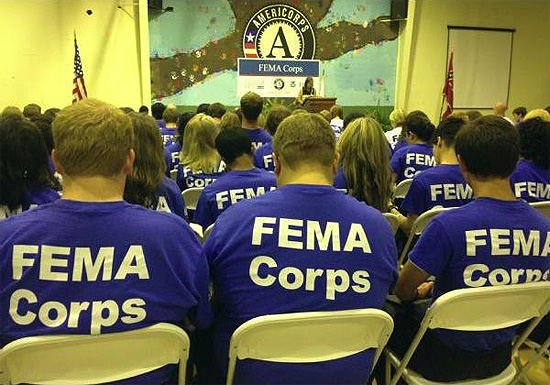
(275, 78)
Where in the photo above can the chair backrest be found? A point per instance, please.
(207, 232)
(402, 188)
(392, 219)
(174, 174)
(191, 197)
(197, 229)
(543, 207)
(309, 337)
(94, 359)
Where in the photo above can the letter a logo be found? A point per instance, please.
(284, 45)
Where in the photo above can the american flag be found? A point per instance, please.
(448, 90)
(250, 45)
(79, 88)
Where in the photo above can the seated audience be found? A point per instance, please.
(12, 112)
(472, 246)
(127, 110)
(365, 164)
(144, 110)
(44, 124)
(240, 181)
(202, 108)
(326, 115)
(199, 161)
(172, 151)
(32, 110)
(531, 178)
(499, 109)
(157, 109)
(216, 111)
(519, 114)
(259, 253)
(147, 185)
(408, 161)
(251, 109)
(337, 120)
(397, 118)
(442, 185)
(91, 263)
(230, 120)
(169, 130)
(263, 156)
(473, 115)
(26, 180)
(351, 117)
(538, 113)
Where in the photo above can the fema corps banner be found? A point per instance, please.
(275, 78)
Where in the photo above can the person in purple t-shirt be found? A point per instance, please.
(172, 151)
(240, 181)
(91, 263)
(26, 180)
(251, 108)
(531, 178)
(302, 247)
(263, 156)
(494, 240)
(442, 185)
(408, 161)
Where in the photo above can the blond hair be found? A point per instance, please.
(198, 150)
(12, 112)
(230, 120)
(365, 160)
(304, 138)
(397, 117)
(538, 113)
(92, 138)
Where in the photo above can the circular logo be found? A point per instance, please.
(279, 31)
(279, 84)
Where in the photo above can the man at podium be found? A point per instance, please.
(305, 92)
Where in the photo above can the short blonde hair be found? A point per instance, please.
(230, 120)
(92, 138)
(304, 138)
(198, 151)
(538, 113)
(397, 117)
(12, 112)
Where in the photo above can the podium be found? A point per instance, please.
(315, 104)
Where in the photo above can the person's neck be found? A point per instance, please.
(94, 188)
(416, 141)
(242, 163)
(171, 125)
(249, 124)
(312, 174)
(495, 188)
(448, 156)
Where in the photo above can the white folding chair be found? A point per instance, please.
(543, 207)
(418, 226)
(197, 229)
(392, 219)
(207, 232)
(402, 189)
(309, 337)
(477, 309)
(539, 352)
(174, 174)
(191, 197)
(94, 359)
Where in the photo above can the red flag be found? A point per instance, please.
(79, 88)
(448, 90)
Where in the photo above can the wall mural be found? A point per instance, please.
(194, 49)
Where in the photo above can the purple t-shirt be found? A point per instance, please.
(187, 178)
(230, 188)
(258, 137)
(31, 199)
(441, 185)
(298, 248)
(89, 268)
(531, 182)
(263, 157)
(172, 157)
(168, 135)
(410, 160)
(169, 199)
(487, 242)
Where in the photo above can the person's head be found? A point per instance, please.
(308, 84)
(304, 143)
(23, 161)
(170, 115)
(473, 115)
(230, 120)
(460, 115)
(149, 165)
(534, 135)
(44, 124)
(365, 160)
(326, 115)
(397, 117)
(216, 110)
(157, 109)
(499, 109)
(234, 143)
(444, 136)
(417, 127)
(93, 138)
(299, 110)
(12, 112)
(182, 123)
(538, 113)
(276, 115)
(31, 110)
(251, 106)
(126, 110)
(487, 148)
(337, 111)
(144, 110)
(519, 114)
(351, 117)
(198, 149)
(202, 108)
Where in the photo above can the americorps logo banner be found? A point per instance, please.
(275, 78)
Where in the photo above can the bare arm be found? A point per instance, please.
(410, 283)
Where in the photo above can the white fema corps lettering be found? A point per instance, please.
(26, 307)
(450, 191)
(417, 159)
(229, 197)
(302, 234)
(533, 189)
(501, 243)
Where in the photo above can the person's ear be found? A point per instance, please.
(57, 165)
(129, 162)
(336, 162)
(277, 164)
